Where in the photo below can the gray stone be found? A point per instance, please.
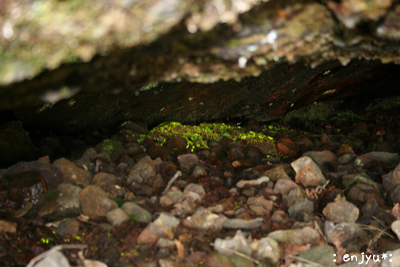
(389, 160)
(142, 170)
(136, 212)
(306, 235)
(117, 217)
(302, 210)
(243, 224)
(293, 196)
(284, 186)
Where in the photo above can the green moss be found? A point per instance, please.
(112, 147)
(197, 136)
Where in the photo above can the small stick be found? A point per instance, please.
(170, 182)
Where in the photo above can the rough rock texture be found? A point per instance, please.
(133, 47)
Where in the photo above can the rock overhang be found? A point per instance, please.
(259, 62)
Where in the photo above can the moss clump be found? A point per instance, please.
(112, 147)
(197, 136)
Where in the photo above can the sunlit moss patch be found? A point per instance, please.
(197, 136)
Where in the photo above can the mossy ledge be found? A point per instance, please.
(197, 136)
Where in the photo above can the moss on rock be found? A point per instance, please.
(197, 136)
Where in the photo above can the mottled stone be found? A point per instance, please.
(72, 173)
(307, 172)
(95, 202)
(187, 162)
(68, 227)
(341, 211)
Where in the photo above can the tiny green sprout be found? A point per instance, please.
(109, 234)
(54, 232)
(78, 238)
(44, 240)
(83, 233)
(122, 254)
(338, 130)
(236, 207)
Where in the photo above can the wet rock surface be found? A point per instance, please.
(194, 207)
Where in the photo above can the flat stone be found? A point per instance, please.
(136, 212)
(95, 202)
(389, 160)
(307, 172)
(307, 235)
(243, 224)
(72, 173)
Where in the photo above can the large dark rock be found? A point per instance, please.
(15, 144)
(190, 61)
